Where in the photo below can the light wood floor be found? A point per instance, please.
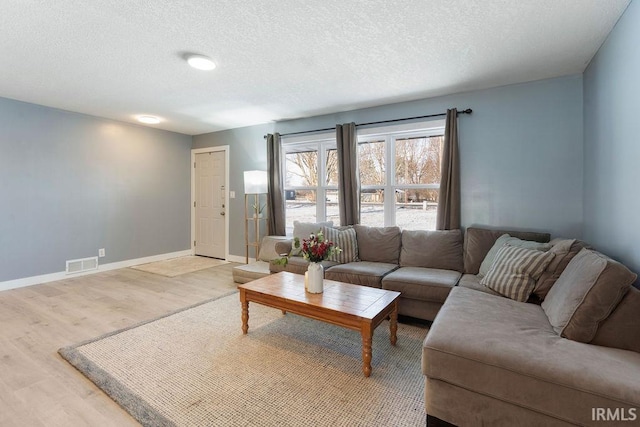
(37, 386)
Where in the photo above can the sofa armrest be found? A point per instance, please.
(268, 247)
(283, 247)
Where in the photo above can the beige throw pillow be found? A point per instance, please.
(585, 294)
(515, 270)
(512, 241)
(345, 239)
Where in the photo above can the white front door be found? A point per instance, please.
(210, 209)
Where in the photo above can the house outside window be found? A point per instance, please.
(311, 179)
(400, 175)
(399, 170)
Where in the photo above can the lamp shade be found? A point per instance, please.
(255, 182)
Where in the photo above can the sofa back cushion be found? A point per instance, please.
(585, 294)
(379, 244)
(478, 241)
(622, 328)
(432, 249)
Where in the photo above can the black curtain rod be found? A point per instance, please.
(467, 111)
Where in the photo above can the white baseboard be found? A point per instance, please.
(45, 278)
(239, 259)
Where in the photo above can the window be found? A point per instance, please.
(400, 175)
(311, 179)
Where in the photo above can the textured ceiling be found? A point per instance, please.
(283, 59)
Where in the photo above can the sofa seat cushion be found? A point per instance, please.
(252, 271)
(425, 284)
(508, 350)
(360, 273)
(472, 281)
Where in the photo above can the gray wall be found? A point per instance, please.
(71, 184)
(521, 153)
(612, 143)
(247, 152)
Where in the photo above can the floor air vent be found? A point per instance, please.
(80, 265)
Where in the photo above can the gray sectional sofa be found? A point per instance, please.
(569, 355)
(424, 266)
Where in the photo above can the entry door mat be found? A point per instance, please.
(178, 266)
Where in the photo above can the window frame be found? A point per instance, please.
(324, 142)
(390, 134)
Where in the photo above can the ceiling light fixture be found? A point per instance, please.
(150, 120)
(200, 62)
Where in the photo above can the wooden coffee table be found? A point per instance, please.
(351, 306)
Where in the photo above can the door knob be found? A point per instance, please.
(222, 213)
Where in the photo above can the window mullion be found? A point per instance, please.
(321, 198)
(390, 189)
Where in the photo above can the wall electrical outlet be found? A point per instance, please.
(232, 194)
(101, 252)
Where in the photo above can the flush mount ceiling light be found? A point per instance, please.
(150, 120)
(200, 62)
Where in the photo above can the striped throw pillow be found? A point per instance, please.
(515, 270)
(345, 239)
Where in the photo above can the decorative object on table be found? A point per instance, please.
(316, 249)
(255, 184)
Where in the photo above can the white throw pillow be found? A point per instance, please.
(302, 230)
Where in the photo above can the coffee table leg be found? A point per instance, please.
(367, 335)
(393, 323)
(245, 312)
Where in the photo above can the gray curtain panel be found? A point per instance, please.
(348, 180)
(275, 197)
(449, 196)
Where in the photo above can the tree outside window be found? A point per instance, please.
(399, 178)
(311, 179)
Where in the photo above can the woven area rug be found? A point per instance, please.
(195, 368)
(182, 265)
